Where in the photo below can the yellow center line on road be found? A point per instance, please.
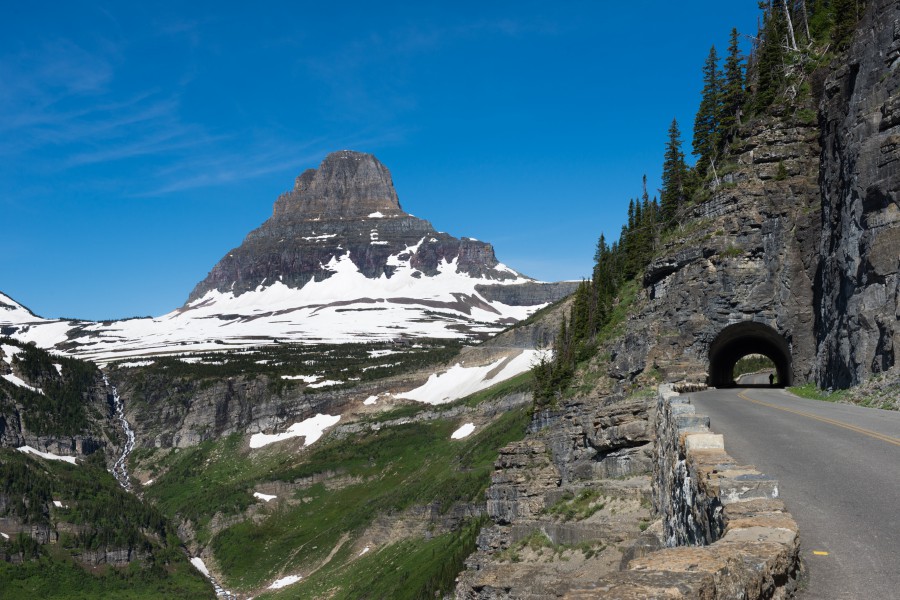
(867, 432)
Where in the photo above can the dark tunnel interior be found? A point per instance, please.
(741, 339)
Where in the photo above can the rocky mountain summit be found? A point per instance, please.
(339, 261)
(346, 207)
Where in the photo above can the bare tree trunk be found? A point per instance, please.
(787, 13)
(805, 20)
(712, 163)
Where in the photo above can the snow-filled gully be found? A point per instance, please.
(120, 469)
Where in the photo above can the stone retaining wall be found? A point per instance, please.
(728, 534)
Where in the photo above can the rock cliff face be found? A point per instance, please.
(748, 254)
(34, 411)
(578, 486)
(795, 253)
(859, 299)
(182, 412)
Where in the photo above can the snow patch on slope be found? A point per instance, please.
(311, 429)
(284, 582)
(459, 381)
(200, 565)
(46, 455)
(21, 383)
(9, 352)
(463, 431)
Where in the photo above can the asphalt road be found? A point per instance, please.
(754, 379)
(838, 468)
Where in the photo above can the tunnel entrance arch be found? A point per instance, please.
(739, 340)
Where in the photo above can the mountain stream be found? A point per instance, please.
(120, 469)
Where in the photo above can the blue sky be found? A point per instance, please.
(139, 142)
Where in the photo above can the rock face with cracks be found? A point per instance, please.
(858, 283)
(749, 253)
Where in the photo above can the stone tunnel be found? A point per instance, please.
(740, 339)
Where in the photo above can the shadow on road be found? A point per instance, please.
(754, 386)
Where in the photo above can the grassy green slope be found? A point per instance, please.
(381, 471)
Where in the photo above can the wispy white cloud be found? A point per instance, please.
(261, 158)
(60, 95)
(61, 100)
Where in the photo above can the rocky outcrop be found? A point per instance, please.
(114, 557)
(729, 535)
(346, 185)
(537, 331)
(578, 488)
(859, 299)
(527, 294)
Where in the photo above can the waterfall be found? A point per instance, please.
(120, 469)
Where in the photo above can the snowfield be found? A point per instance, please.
(284, 582)
(346, 307)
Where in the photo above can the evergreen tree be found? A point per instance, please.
(770, 62)
(649, 223)
(706, 123)
(631, 236)
(601, 251)
(821, 20)
(674, 177)
(845, 14)
(733, 90)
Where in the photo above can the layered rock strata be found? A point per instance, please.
(748, 254)
(568, 503)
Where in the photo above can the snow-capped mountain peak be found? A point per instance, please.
(338, 261)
